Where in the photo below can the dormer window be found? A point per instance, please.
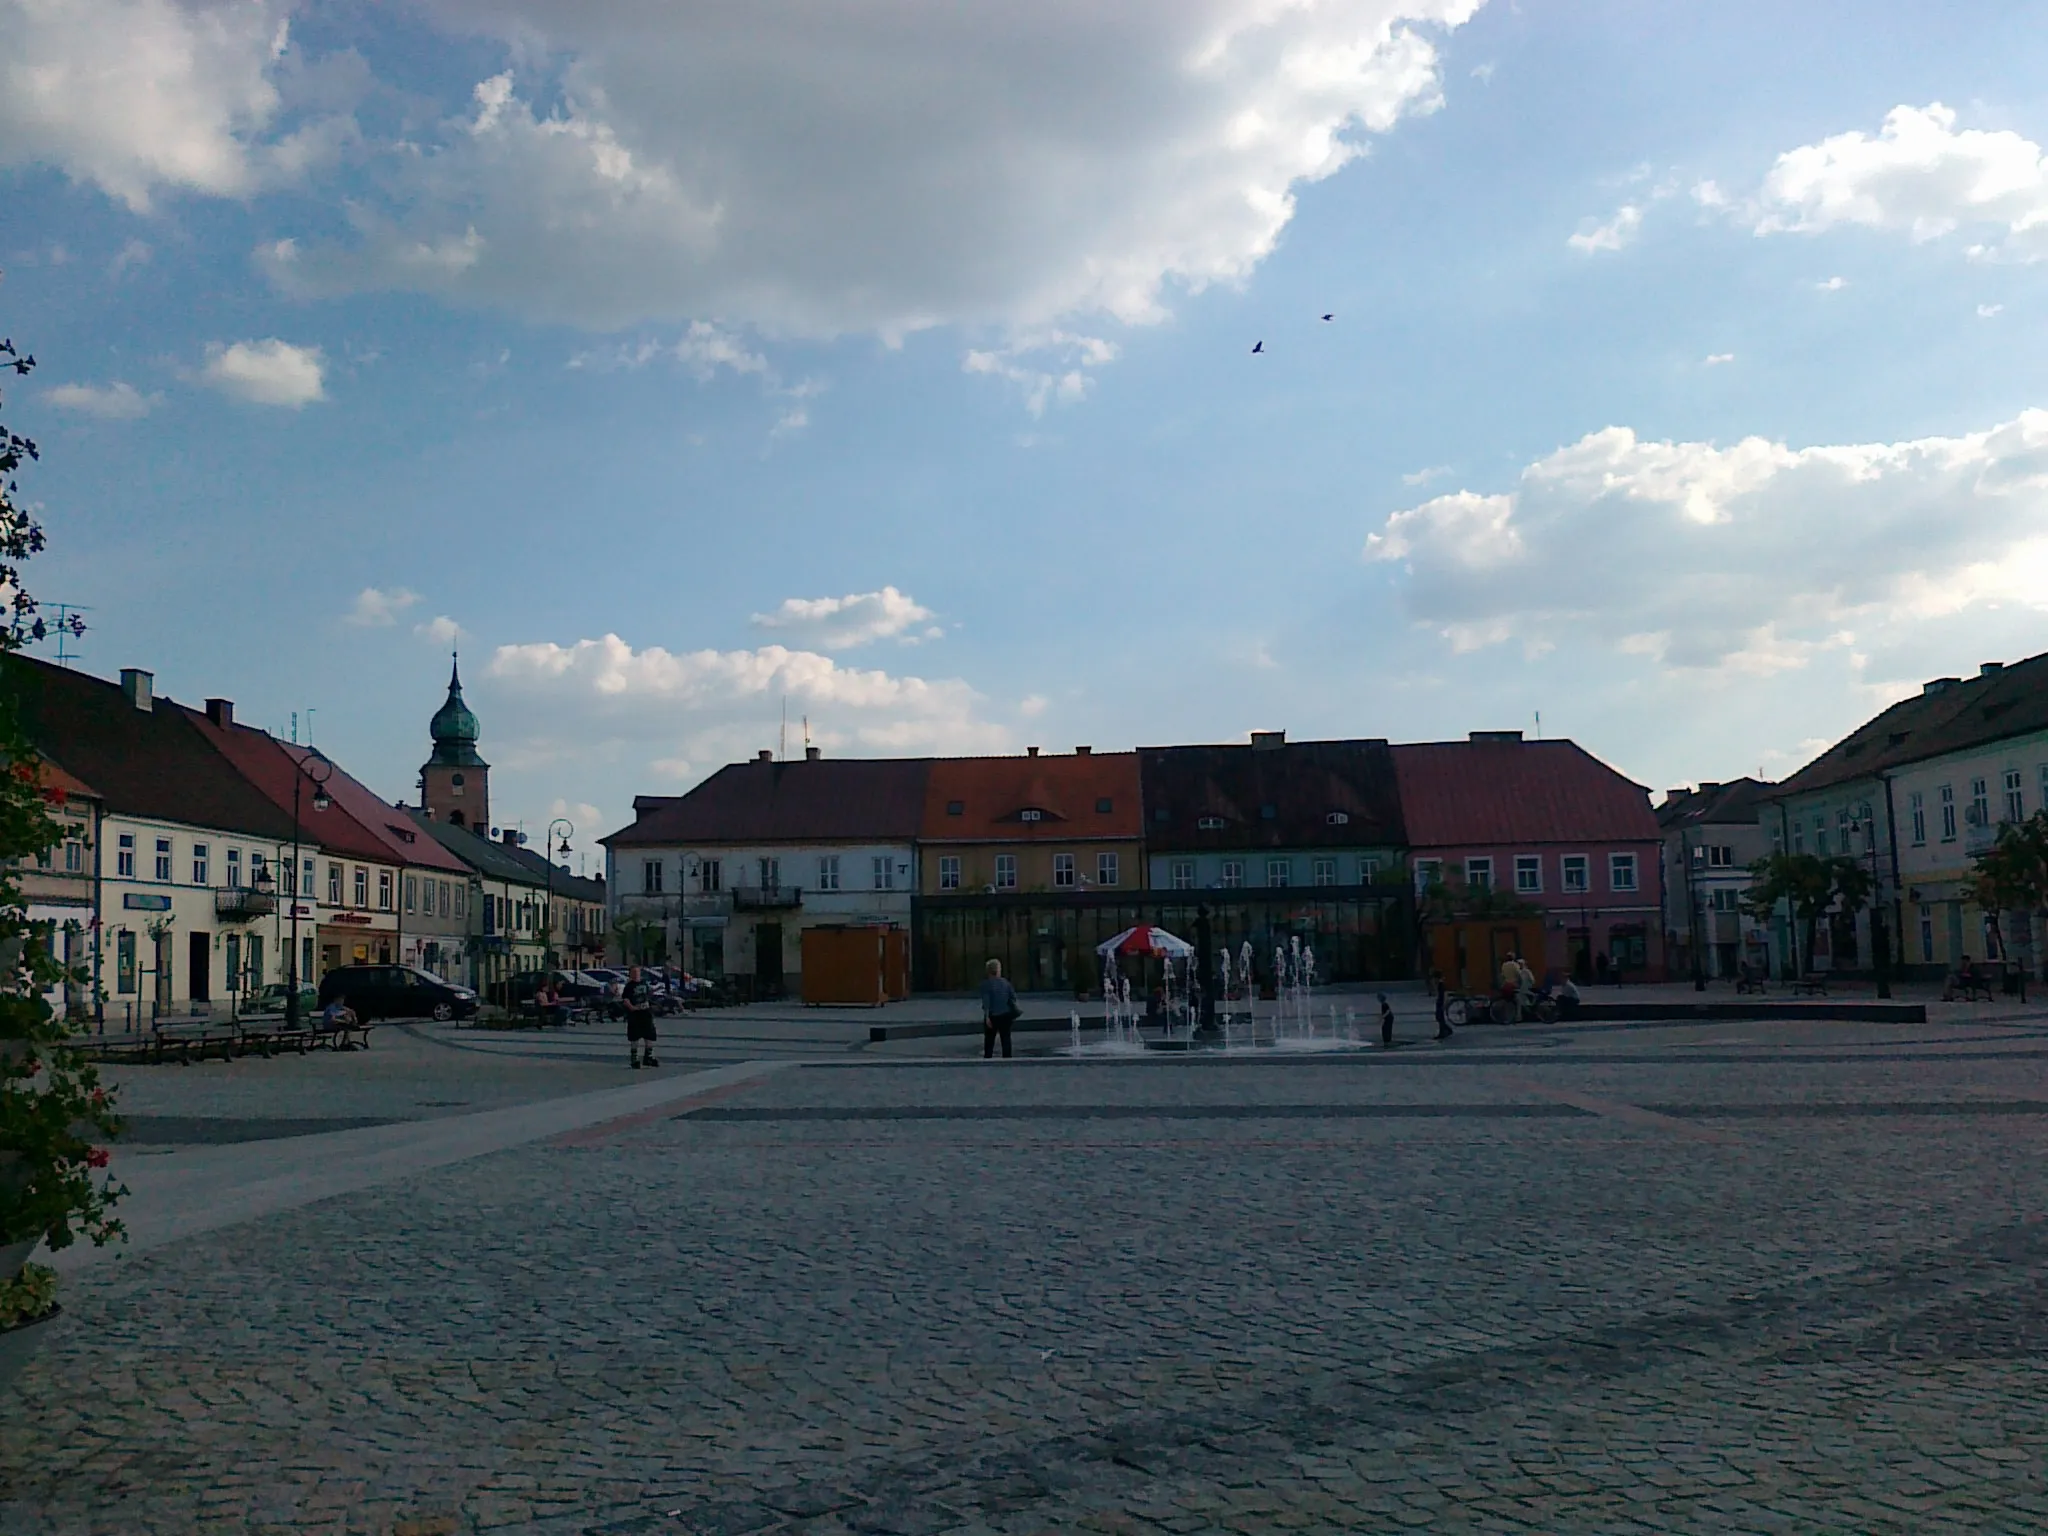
(1269, 813)
(956, 807)
(1104, 806)
(1030, 815)
(1338, 818)
(1211, 823)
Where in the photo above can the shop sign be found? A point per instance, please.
(136, 901)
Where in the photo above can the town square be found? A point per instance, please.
(1174, 768)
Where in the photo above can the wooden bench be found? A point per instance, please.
(1812, 984)
(1752, 979)
(1979, 983)
(189, 1036)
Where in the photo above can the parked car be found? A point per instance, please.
(396, 992)
(271, 999)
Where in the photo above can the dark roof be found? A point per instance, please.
(1083, 795)
(1471, 793)
(1737, 802)
(558, 879)
(844, 800)
(1302, 783)
(1947, 715)
(152, 762)
(478, 853)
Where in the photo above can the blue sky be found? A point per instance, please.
(897, 362)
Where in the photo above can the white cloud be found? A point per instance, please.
(1751, 558)
(1424, 476)
(1047, 367)
(1716, 359)
(1032, 706)
(821, 167)
(1987, 311)
(1919, 174)
(1611, 236)
(269, 372)
(112, 402)
(689, 712)
(1483, 73)
(839, 622)
(135, 253)
(133, 95)
(440, 628)
(375, 607)
(1832, 284)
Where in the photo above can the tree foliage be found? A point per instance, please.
(2012, 874)
(1812, 885)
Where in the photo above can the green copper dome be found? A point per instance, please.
(454, 728)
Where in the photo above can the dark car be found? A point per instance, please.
(396, 992)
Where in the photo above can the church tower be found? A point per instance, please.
(455, 783)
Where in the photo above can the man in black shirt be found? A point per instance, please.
(638, 1000)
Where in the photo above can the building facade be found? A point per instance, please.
(725, 879)
(1509, 839)
(1712, 835)
(60, 888)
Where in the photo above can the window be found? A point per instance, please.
(199, 864)
(124, 863)
(124, 955)
(1062, 869)
(1104, 805)
(1183, 874)
(1723, 899)
(949, 872)
(1720, 856)
(163, 858)
(1163, 814)
(259, 870)
(1325, 872)
(1479, 874)
(650, 877)
(1279, 872)
(383, 890)
(1030, 815)
(334, 885)
(2015, 800)
(1338, 819)
(1980, 804)
(956, 807)
(461, 901)
(1927, 934)
(771, 873)
(1368, 871)
(234, 959)
(255, 965)
(1621, 871)
(74, 857)
(1006, 871)
(1948, 813)
(412, 893)
(1210, 823)
(309, 885)
(1105, 869)
(234, 869)
(1528, 872)
(362, 888)
(1576, 870)
(1820, 835)
(885, 872)
(1798, 836)
(1428, 872)
(828, 872)
(710, 875)
(1916, 809)
(1269, 813)
(1233, 874)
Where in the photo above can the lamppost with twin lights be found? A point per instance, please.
(314, 769)
(548, 851)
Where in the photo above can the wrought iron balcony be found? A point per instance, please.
(241, 903)
(766, 898)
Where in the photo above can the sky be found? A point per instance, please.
(1663, 376)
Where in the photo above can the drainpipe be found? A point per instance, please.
(1891, 831)
(99, 919)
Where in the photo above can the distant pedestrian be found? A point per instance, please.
(637, 998)
(1386, 1021)
(998, 1010)
(1443, 1006)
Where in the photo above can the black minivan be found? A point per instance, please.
(396, 992)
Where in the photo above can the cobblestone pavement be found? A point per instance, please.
(1706, 1279)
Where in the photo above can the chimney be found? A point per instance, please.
(1709, 786)
(764, 756)
(1497, 736)
(221, 712)
(1673, 796)
(812, 754)
(1268, 741)
(1933, 685)
(1031, 751)
(1990, 668)
(1082, 751)
(139, 688)
(511, 837)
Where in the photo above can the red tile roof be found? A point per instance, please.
(1481, 793)
(844, 800)
(1066, 791)
(392, 827)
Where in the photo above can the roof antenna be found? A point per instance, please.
(1539, 725)
(807, 733)
(782, 741)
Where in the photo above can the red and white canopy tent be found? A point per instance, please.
(1146, 940)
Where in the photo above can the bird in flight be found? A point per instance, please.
(1258, 346)
(1329, 317)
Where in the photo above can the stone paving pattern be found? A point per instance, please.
(881, 1295)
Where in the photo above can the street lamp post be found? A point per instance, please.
(1880, 940)
(549, 851)
(314, 769)
(1692, 904)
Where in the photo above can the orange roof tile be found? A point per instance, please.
(1082, 795)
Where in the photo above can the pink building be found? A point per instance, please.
(1550, 824)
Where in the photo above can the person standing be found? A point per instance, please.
(998, 1010)
(1386, 1021)
(1443, 1005)
(637, 998)
(1525, 989)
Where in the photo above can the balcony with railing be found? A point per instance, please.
(766, 898)
(243, 903)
